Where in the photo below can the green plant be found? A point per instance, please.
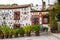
(20, 30)
(16, 32)
(5, 29)
(36, 28)
(12, 31)
(1, 31)
(27, 30)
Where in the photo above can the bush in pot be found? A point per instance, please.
(27, 30)
(21, 31)
(11, 32)
(36, 29)
(5, 31)
(16, 32)
(1, 34)
(54, 27)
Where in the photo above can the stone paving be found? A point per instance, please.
(43, 36)
(57, 35)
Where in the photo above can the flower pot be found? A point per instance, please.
(10, 36)
(52, 30)
(28, 34)
(37, 33)
(16, 35)
(6, 36)
(2, 36)
(21, 35)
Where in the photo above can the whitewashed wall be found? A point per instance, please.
(9, 17)
(24, 21)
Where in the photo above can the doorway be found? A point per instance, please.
(35, 19)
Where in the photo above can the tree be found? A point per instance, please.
(58, 1)
(58, 10)
(54, 14)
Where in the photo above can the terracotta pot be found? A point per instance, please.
(28, 34)
(16, 35)
(21, 35)
(52, 30)
(10, 36)
(2, 36)
(6, 36)
(37, 33)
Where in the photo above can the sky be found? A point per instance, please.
(20, 2)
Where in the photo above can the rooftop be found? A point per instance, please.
(13, 6)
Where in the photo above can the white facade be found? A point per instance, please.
(25, 18)
(9, 16)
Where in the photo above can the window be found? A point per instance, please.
(45, 19)
(17, 15)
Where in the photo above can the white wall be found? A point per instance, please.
(24, 22)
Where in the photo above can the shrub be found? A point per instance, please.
(5, 29)
(20, 30)
(27, 30)
(36, 28)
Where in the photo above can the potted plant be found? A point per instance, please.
(5, 31)
(1, 33)
(21, 31)
(11, 32)
(54, 26)
(36, 29)
(27, 30)
(16, 32)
